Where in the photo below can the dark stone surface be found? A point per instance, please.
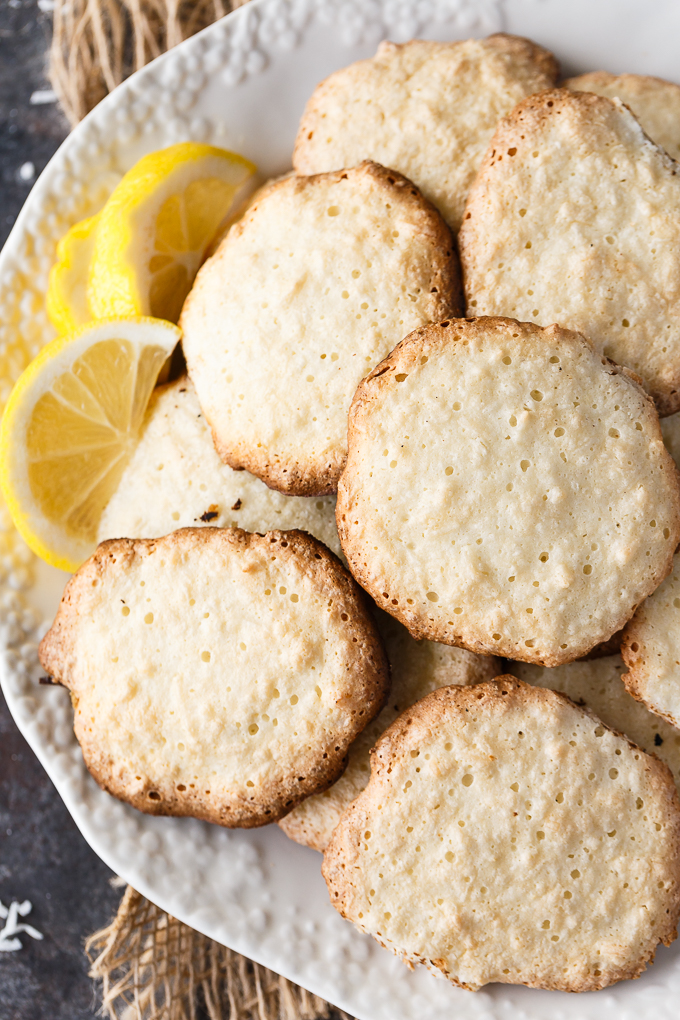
(29, 133)
(43, 857)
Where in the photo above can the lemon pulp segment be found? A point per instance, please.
(82, 431)
(67, 304)
(157, 225)
(70, 426)
(185, 225)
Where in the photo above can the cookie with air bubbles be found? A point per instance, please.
(596, 685)
(654, 101)
(574, 218)
(651, 649)
(428, 109)
(507, 489)
(507, 836)
(310, 290)
(417, 667)
(215, 673)
(175, 479)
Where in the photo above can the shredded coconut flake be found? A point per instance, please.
(10, 914)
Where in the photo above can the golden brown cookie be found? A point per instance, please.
(597, 686)
(428, 109)
(417, 667)
(507, 489)
(215, 673)
(574, 218)
(310, 290)
(655, 102)
(651, 649)
(508, 836)
(175, 479)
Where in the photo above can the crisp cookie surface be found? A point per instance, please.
(574, 218)
(417, 667)
(507, 490)
(317, 283)
(215, 673)
(651, 649)
(175, 479)
(597, 686)
(655, 102)
(426, 109)
(506, 835)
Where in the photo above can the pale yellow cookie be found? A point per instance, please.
(655, 102)
(597, 686)
(651, 649)
(215, 673)
(428, 109)
(507, 490)
(175, 479)
(310, 290)
(508, 836)
(574, 218)
(418, 667)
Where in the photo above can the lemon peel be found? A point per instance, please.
(67, 305)
(70, 426)
(157, 225)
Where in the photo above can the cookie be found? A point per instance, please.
(418, 667)
(651, 649)
(655, 102)
(574, 218)
(598, 687)
(310, 290)
(175, 479)
(428, 109)
(507, 490)
(215, 673)
(507, 836)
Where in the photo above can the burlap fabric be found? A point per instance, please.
(151, 966)
(98, 43)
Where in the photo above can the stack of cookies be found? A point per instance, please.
(475, 676)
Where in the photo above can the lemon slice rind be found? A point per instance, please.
(120, 279)
(67, 305)
(49, 380)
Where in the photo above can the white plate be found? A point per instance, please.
(243, 83)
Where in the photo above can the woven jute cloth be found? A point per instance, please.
(150, 965)
(98, 43)
(153, 967)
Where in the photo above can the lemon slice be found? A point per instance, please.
(156, 226)
(69, 427)
(67, 305)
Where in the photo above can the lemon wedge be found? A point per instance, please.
(69, 427)
(67, 305)
(156, 226)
